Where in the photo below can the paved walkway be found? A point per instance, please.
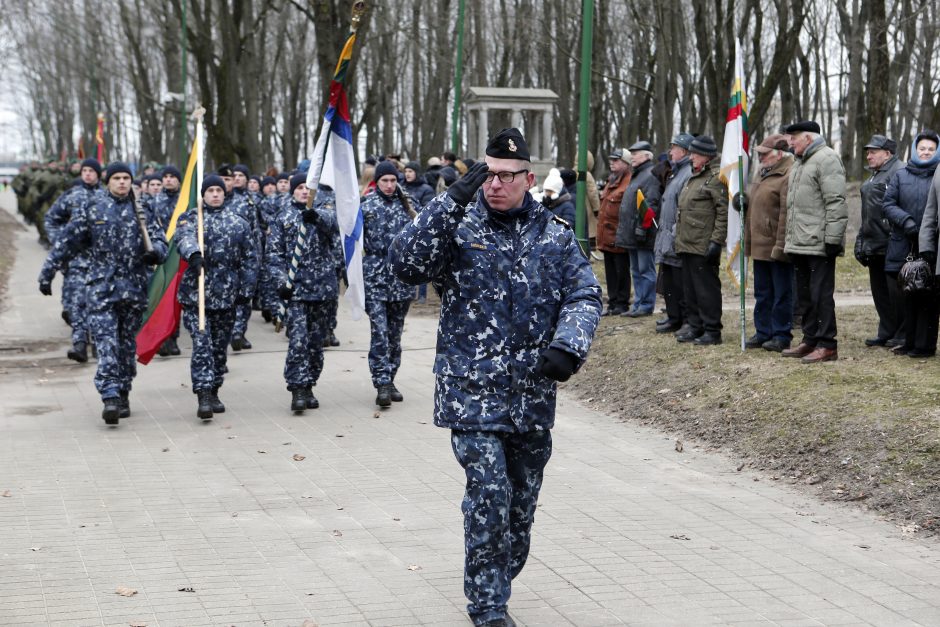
(220, 523)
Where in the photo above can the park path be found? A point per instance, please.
(224, 524)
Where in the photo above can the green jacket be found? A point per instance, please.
(703, 211)
(816, 209)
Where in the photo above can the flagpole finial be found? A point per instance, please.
(198, 113)
(100, 116)
(358, 10)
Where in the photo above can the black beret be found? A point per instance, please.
(115, 168)
(880, 142)
(283, 176)
(384, 168)
(704, 145)
(641, 145)
(806, 126)
(213, 180)
(241, 167)
(172, 170)
(297, 180)
(508, 144)
(268, 180)
(93, 164)
(225, 170)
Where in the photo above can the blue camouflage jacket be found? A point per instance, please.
(316, 275)
(382, 219)
(230, 255)
(164, 204)
(108, 229)
(61, 212)
(326, 200)
(510, 288)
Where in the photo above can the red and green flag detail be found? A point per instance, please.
(644, 215)
(163, 308)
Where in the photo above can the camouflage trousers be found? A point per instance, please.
(210, 347)
(306, 328)
(387, 321)
(73, 301)
(504, 476)
(114, 330)
(333, 304)
(242, 315)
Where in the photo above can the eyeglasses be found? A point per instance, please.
(504, 177)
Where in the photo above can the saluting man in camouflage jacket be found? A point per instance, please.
(520, 305)
(118, 274)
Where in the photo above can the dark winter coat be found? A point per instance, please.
(643, 179)
(563, 207)
(873, 232)
(905, 200)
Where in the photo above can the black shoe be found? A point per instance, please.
(79, 352)
(756, 341)
(204, 410)
(66, 317)
(901, 350)
(237, 342)
(384, 397)
(312, 402)
(332, 340)
(172, 346)
(663, 321)
(918, 353)
(691, 336)
(298, 401)
(217, 406)
(895, 341)
(266, 315)
(163, 351)
(500, 622)
(776, 346)
(614, 311)
(394, 394)
(112, 410)
(668, 328)
(245, 343)
(876, 341)
(684, 329)
(125, 411)
(708, 339)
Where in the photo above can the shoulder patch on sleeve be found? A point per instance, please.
(561, 221)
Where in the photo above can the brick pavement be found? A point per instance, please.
(366, 530)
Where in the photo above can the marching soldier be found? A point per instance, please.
(384, 214)
(236, 189)
(519, 306)
(230, 264)
(308, 293)
(326, 200)
(112, 230)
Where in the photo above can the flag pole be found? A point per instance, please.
(458, 79)
(587, 51)
(742, 268)
(197, 116)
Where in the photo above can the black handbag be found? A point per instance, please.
(915, 276)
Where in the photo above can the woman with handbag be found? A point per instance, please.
(908, 200)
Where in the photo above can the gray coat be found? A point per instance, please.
(665, 247)
(928, 226)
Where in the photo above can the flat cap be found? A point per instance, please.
(806, 126)
(641, 145)
(682, 140)
(508, 144)
(880, 142)
(773, 142)
(620, 153)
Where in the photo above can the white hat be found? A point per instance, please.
(553, 181)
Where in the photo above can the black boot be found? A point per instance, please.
(237, 342)
(394, 394)
(266, 314)
(217, 406)
(384, 397)
(112, 410)
(298, 400)
(125, 405)
(204, 410)
(245, 343)
(164, 351)
(79, 352)
(332, 339)
(172, 346)
(66, 317)
(312, 402)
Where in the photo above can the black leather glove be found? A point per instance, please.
(713, 254)
(739, 202)
(910, 227)
(640, 233)
(556, 364)
(341, 276)
(465, 188)
(310, 216)
(285, 293)
(833, 250)
(860, 256)
(45, 287)
(930, 257)
(151, 258)
(196, 262)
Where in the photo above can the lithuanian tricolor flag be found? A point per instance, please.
(645, 216)
(163, 309)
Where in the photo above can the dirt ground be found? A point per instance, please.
(864, 429)
(8, 228)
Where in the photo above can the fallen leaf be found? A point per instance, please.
(678, 446)
(680, 536)
(414, 567)
(298, 457)
(261, 451)
(6, 494)
(396, 519)
(337, 533)
(376, 415)
(138, 624)
(234, 514)
(125, 592)
(309, 623)
(740, 466)
(285, 444)
(863, 546)
(306, 496)
(339, 435)
(166, 449)
(422, 422)
(339, 509)
(232, 437)
(35, 548)
(664, 391)
(186, 589)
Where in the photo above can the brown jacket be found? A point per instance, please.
(608, 217)
(765, 223)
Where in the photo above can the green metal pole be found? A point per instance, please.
(183, 156)
(587, 50)
(458, 79)
(742, 262)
